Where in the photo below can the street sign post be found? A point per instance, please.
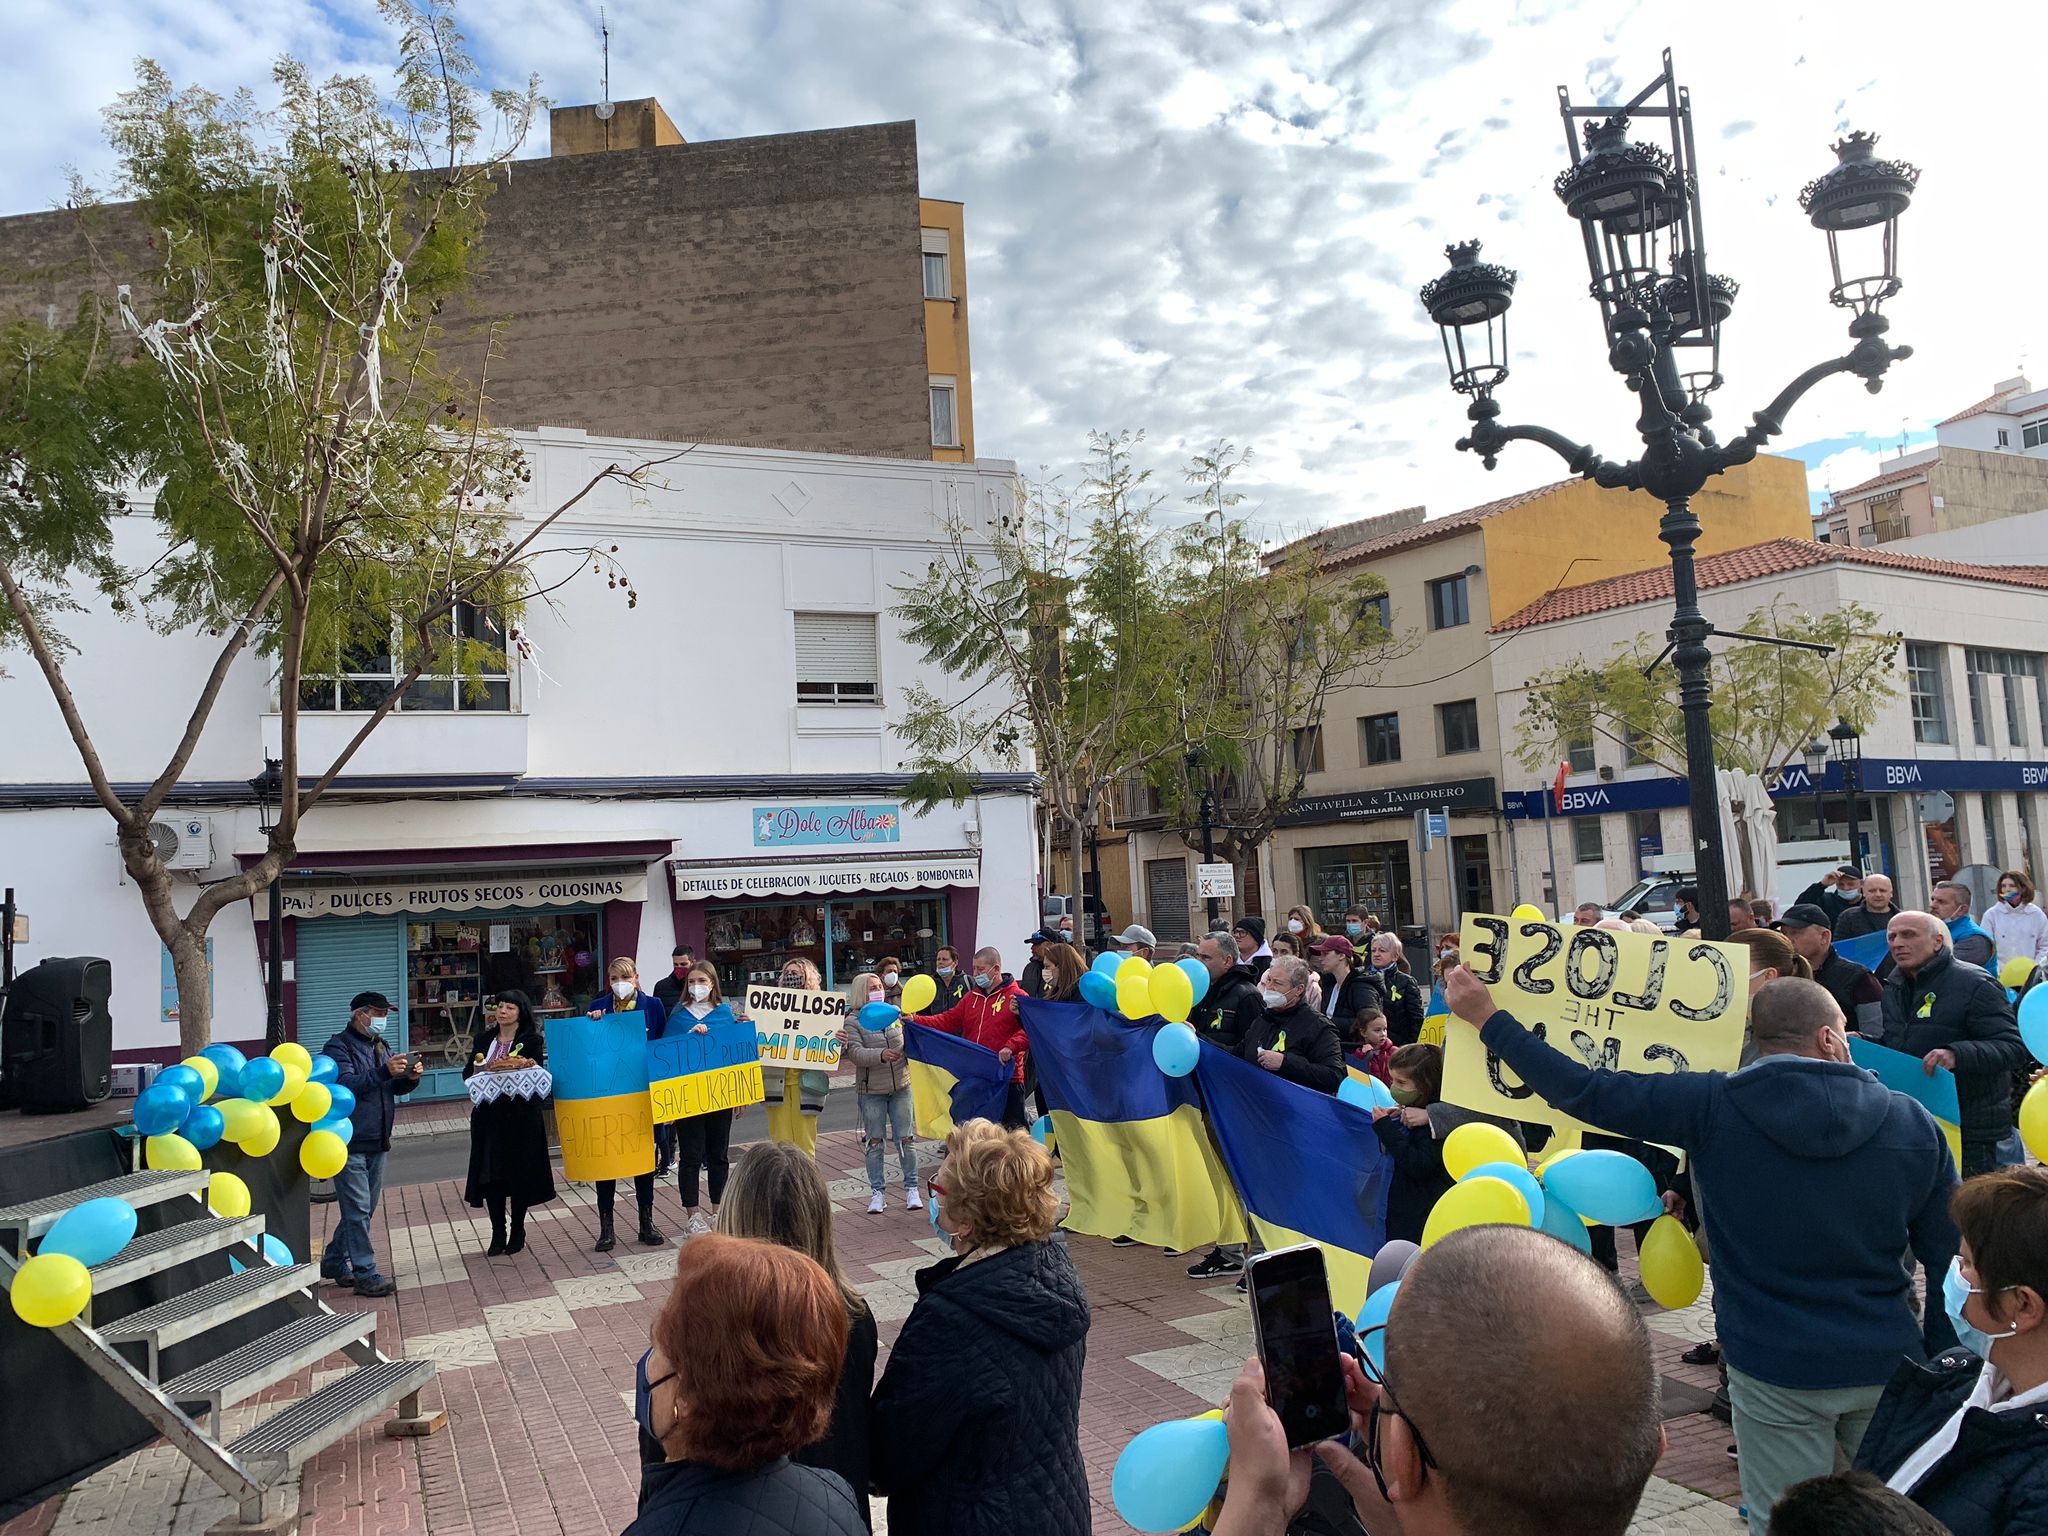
(1215, 882)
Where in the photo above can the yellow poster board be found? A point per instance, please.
(1623, 1002)
(797, 1029)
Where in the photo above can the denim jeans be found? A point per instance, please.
(883, 1115)
(356, 1189)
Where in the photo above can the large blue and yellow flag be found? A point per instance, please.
(1137, 1156)
(1308, 1166)
(952, 1080)
(1867, 949)
(1904, 1073)
(1434, 1018)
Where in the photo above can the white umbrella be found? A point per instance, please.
(1749, 835)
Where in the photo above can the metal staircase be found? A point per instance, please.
(125, 1351)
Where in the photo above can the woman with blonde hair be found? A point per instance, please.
(881, 1086)
(1303, 928)
(701, 1140)
(624, 996)
(796, 1095)
(978, 1416)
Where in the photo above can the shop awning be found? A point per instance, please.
(762, 878)
(467, 891)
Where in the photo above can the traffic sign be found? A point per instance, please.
(1215, 882)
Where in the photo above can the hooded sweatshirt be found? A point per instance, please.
(1814, 1179)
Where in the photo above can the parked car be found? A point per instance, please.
(1094, 932)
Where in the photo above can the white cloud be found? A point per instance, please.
(1211, 223)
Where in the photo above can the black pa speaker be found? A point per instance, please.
(57, 1036)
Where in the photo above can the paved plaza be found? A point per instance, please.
(536, 1355)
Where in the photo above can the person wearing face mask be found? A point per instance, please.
(881, 1085)
(701, 1141)
(1033, 979)
(1966, 1435)
(365, 1066)
(890, 969)
(1358, 928)
(670, 989)
(1290, 1035)
(1303, 928)
(2018, 929)
(988, 1017)
(623, 995)
(951, 977)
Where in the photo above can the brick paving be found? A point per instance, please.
(537, 1351)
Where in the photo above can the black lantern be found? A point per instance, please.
(1849, 753)
(1676, 297)
(1624, 194)
(1470, 303)
(1861, 193)
(1816, 755)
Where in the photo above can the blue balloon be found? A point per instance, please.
(1197, 975)
(274, 1250)
(160, 1110)
(341, 1101)
(1611, 1188)
(1168, 1474)
(1175, 1050)
(1562, 1222)
(226, 1058)
(2034, 1022)
(203, 1127)
(879, 1015)
(185, 1080)
(1353, 1091)
(92, 1233)
(1374, 1315)
(1098, 991)
(227, 1084)
(262, 1080)
(1518, 1175)
(323, 1070)
(1107, 962)
(1041, 1129)
(341, 1125)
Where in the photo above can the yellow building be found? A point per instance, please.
(945, 329)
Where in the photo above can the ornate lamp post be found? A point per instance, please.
(1638, 208)
(1849, 753)
(268, 787)
(1815, 754)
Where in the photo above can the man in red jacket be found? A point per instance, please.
(987, 1015)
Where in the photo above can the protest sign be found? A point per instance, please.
(797, 1029)
(602, 1111)
(690, 1074)
(1903, 1073)
(1627, 1002)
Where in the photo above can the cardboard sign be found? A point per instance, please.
(797, 1029)
(1622, 1002)
(690, 1074)
(601, 1102)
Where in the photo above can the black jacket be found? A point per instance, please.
(978, 1415)
(686, 1498)
(1856, 990)
(1215, 1017)
(362, 1066)
(1854, 921)
(1955, 1006)
(1311, 1056)
(1362, 989)
(670, 991)
(847, 1446)
(1994, 1480)
(1420, 1178)
(1407, 1001)
(1828, 900)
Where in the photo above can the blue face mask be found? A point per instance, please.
(931, 1206)
(983, 982)
(1955, 1291)
(1354, 930)
(376, 1022)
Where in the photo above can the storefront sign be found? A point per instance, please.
(797, 1029)
(443, 893)
(803, 826)
(691, 1074)
(1874, 776)
(804, 877)
(1453, 795)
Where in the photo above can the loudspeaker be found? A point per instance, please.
(57, 1036)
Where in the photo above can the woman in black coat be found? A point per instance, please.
(508, 1133)
(977, 1418)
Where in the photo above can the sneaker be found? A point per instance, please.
(1708, 1353)
(699, 1224)
(378, 1287)
(912, 1200)
(1123, 1242)
(1175, 1253)
(338, 1276)
(1731, 1454)
(1215, 1262)
(875, 1203)
(1243, 1284)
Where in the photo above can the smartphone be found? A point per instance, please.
(1297, 1335)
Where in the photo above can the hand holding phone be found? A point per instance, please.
(1297, 1337)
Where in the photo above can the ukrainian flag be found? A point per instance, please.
(1867, 950)
(952, 1080)
(1903, 1073)
(1138, 1159)
(1307, 1165)
(1434, 1018)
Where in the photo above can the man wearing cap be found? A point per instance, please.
(369, 1069)
(1853, 988)
(1136, 941)
(1836, 891)
(1033, 979)
(1252, 949)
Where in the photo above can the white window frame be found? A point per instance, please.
(938, 243)
(855, 655)
(950, 388)
(412, 701)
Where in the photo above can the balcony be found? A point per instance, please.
(406, 747)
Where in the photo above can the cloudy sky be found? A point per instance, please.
(1208, 220)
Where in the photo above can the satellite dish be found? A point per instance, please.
(604, 111)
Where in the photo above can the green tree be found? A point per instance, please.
(254, 367)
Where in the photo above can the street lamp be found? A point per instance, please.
(1849, 753)
(1638, 209)
(1816, 755)
(268, 787)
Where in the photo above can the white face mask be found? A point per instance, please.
(1294, 925)
(874, 994)
(624, 990)
(699, 990)
(1271, 998)
(889, 978)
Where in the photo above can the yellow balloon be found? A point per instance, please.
(227, 1195)
(2014, 972)
(1476, 1143)
(919, 993)
(262, 1137)
(1133, 965)
(294, 1080)
(1670, 1262)
(1528, 914)
(323, 1154)
(50, 1289)
(292, 1054)
(237, 1117)
(209, 1074)
(170, 1152)
(1134, 995)
(1480, 1202)
(1173, 995)
(312, 1102)
(2034, 1120)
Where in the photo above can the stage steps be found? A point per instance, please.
(125, 1351)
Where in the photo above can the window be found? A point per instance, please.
(1379, 738)
(366, 673)
(938, 265)
(2004, 438)
(1888, 519)
(1578, 753)
(2034, 434)
(1994, 842)
(1449, 605)
(1586, 847)
(836, 660)
(1634, 748)
(945, 419)
(1379, 607)
(1923, 684)
(1646, 837)
(1458, 726)
(1998, 686)
(1308, 749)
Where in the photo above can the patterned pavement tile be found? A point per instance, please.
(603, 1290)
(529, 1319)
(455, 1349)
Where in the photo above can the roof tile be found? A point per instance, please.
(1989, 402)
(1423, 533)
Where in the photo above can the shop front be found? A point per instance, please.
(1374, 851)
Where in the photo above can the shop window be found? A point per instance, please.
(1474, 862)
(751, 943)
(471, 673)
(1373, 877)
(453, 966)
(837, 660)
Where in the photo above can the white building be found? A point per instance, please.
(714, 766)
(1968, 720)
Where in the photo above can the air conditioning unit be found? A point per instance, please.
(183, 842)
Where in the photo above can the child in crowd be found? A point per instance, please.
(1375, 1051)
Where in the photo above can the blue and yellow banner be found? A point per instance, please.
(1434, 1018)
(602, 1109)
(1307, 1165)
(1136, 1151)
(953, 1080)
(691, 1074)
(1867, 950)
(1903, 1073)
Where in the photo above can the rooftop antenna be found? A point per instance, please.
(604, 105)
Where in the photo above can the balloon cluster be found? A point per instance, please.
(222, 1095)
(1136, 988)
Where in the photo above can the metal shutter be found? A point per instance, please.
(1166, 883)
(836, 648)
(339, 957)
